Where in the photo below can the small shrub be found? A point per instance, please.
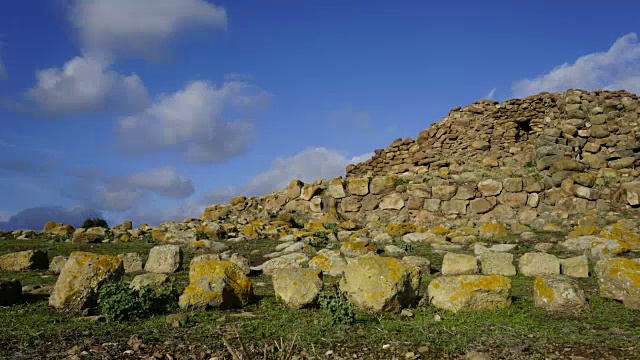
(201, 235)
(59, 238)
(530, 165)
(401, 181)
(95, 222)
(118, 302)
(337, 308)
(408, 247)
(319, 239)
(331, 226)
(148, 239)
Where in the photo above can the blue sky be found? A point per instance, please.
(153, 109)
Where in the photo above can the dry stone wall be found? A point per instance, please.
(549, 156)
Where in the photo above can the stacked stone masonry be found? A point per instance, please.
(557, 154)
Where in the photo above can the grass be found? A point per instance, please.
(521, 331)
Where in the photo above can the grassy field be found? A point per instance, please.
(266, 328)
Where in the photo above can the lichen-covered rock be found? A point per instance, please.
(492, 231)
(24, 260)
(490, 187)
(216, 283)
(497, 263)
(242, 262)
(164, 259)
(399, 229)
(86, 238)
(392, 201)
(358, 186)
(577, 266)
(380, 283)
(470, 292)
(331, 263)
(459, 264)
(57, 263)
(10, 292)
(358, 247)
(535, 264)
(297, 287)
(619, 278)
(151, 280)
(82, 276)
(582, 230)
(132, 262)
(623, 235)
(295, 260)
(422, 264)
(50, 225)
(558, 293)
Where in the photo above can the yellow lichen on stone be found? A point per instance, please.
(50, 225)
(124, 237)
(582, 230)
(542, 291)
(358, 247)
(622, 235)
(250, 231)
(216, 283)
(492, 230)
(313, 226)
(399, 229)
(619, 278)
(440, 230)
(157, 235)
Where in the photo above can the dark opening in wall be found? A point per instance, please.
(523, 128)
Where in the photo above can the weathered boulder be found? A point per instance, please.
(490, 187)
(358, 247)
(151, 280)
(297, 287)
(57, 263)
(534, 264)
(420, 263)
(558, 293)
(164, 259)
(132, 262)
(497, 263)
(81, 277)
(330, 263)
(392, 201)
(492, 231)
(577, 266)
(216, 283)
(24, 260)
(380, 283)
(295, 260)
(10, 292)
(470, 292)
(619, 278)
(86, 238)
(459, 264)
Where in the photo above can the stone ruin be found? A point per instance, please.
(551, 155)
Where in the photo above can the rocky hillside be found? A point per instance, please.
(530, 161)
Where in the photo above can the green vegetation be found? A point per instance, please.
(118, 302)
(337, 308)
(95, 222)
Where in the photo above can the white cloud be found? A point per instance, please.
(86, 84)
(204, 123)
(122, 193)
(110, 27)
(163, 181)
(491, 94)
(308, 165)
(616, 69)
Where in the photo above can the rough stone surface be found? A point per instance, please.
(24, 260)
(132, 262)
(295, 260)
(534, 264)
(297, 287)
(164, 259)
(57, 263)
(557, 293)
(470, 292)
(459, 264)
(330, 263)
(380, 283)
(577, 266)
(619, 278)
(81, 278)
(216, 284)
(497, 263)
